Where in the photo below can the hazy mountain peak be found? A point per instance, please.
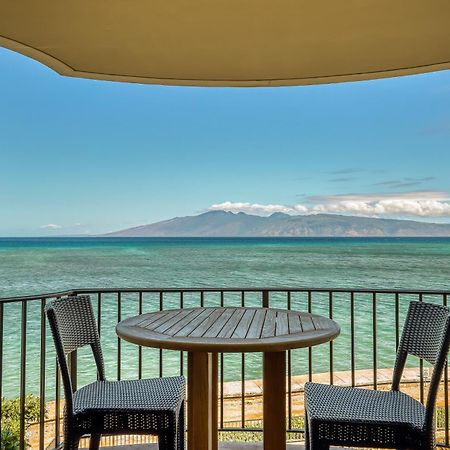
(216, 212)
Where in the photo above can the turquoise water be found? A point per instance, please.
(37, 265)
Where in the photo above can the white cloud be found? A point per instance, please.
(391, 207)
(51, 226)
(408, 204)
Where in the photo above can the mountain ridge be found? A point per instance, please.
(228, 224)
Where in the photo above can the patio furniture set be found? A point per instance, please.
(342, 416)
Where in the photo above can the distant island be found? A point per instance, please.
(228, 224)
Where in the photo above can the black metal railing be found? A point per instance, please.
(370, 320)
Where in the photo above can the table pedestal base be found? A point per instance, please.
(202, 401)
(274, 398)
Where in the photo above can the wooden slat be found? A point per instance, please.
(295, 325)
(161, 320)
(307, 323)
(172, 321)
(193, 324)
(244, 324)
(269, 324)
(206, 324)
(282, 324)
(282, 327)
(148, 319)
(218, 325)
(255, 329)
(231, 325)
(183, 322)
(320, 322)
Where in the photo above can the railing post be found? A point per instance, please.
(1, 361)
(446, 415)
(119, 341)
(374, 342)
(265, 298)
(42, 378)
(23, 362)
(140, 347)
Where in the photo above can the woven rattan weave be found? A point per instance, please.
(151, 406)
(348, 416)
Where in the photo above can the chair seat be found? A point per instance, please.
(363, 418)
(346, 404)
(129, 406)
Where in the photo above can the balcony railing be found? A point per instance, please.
(363, 355)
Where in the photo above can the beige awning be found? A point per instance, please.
(230, 42)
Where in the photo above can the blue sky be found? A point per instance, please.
(83, 156)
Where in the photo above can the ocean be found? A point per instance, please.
(39, 265)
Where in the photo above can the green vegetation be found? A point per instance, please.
(9, 439)
(10, 420)
(257, 436)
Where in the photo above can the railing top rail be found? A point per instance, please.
(225, 289)
(22, 298)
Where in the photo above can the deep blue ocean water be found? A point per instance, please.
(38, 265)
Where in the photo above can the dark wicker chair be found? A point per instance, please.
(151, 406)
(346, 416)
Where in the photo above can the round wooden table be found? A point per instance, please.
(205, 332)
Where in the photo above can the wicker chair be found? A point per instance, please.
(346, 416)
(151, 406)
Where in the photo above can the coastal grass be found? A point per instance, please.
(257, 436)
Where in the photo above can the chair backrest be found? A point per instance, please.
(426, 334)
(72, 324)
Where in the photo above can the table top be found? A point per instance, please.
(228, 329)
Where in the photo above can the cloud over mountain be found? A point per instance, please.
(426, 204)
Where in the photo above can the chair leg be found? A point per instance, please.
(320, 446)
(181, 430)
(314, 442)
(94, 441)
(71, 442)
(167, 441)
(306, 426)
(429, 442)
